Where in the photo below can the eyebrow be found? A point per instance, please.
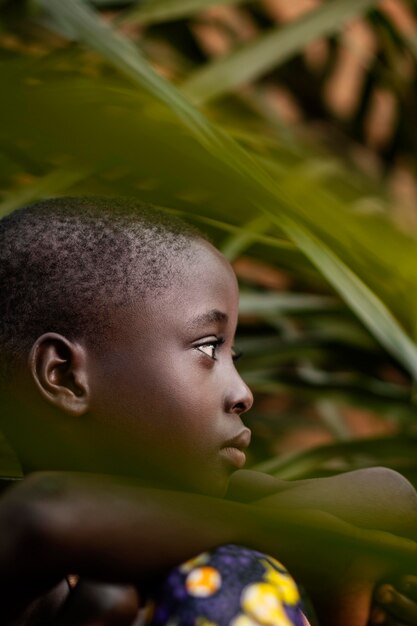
(208, 318)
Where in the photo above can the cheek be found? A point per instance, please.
(152, 394)
(188, 407)
(176, 394)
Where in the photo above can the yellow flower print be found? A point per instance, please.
(262, 602)
(243, 620)
(284, 583)
(275, 561)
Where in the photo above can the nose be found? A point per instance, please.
(240, 398)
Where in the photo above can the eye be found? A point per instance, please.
(210, 347)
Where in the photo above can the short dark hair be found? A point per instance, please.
(65, 262)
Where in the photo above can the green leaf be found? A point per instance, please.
(369, 308)
(111, 3)
(153, 11)
(270, 50)
(241, 236)
(299, 464)
(338, 242)
(282, 303)
(333, 419)
(234, 246)
(56, 182)
(313, 384)
(122, 54)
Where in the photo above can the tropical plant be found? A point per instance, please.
(118, 97)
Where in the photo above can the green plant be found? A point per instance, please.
(85, 112)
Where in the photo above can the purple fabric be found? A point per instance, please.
(229, 586)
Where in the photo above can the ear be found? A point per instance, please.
(59, 370)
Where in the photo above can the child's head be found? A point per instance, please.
(113, 313)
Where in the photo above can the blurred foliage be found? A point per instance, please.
(287, 132)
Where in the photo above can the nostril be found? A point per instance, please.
(240, 407)
(243, 405)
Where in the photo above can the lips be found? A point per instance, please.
(241, 441)
(233, 449)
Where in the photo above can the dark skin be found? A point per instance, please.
(65, 523)
(188, 435)
(165, 368)
(361, 498)
(107, 530)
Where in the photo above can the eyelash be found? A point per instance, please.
(214, 344)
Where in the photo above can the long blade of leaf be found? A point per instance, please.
(55, 182)
(241, 233)
(280, 303)
(299, 463)
(369, 308)
(121, 53)
(153, 11)
(236, 245)
(255, 185)
(270, 50)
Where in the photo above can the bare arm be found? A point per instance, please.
(55, 524)
(377, 498)
(373, 498)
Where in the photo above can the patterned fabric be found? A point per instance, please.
(229, 586)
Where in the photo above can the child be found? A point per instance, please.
(117, 329)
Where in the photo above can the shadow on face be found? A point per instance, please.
(157, 397)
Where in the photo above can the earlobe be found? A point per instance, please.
(59, 370)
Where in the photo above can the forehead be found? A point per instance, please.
(204, 269)
(203, 290)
